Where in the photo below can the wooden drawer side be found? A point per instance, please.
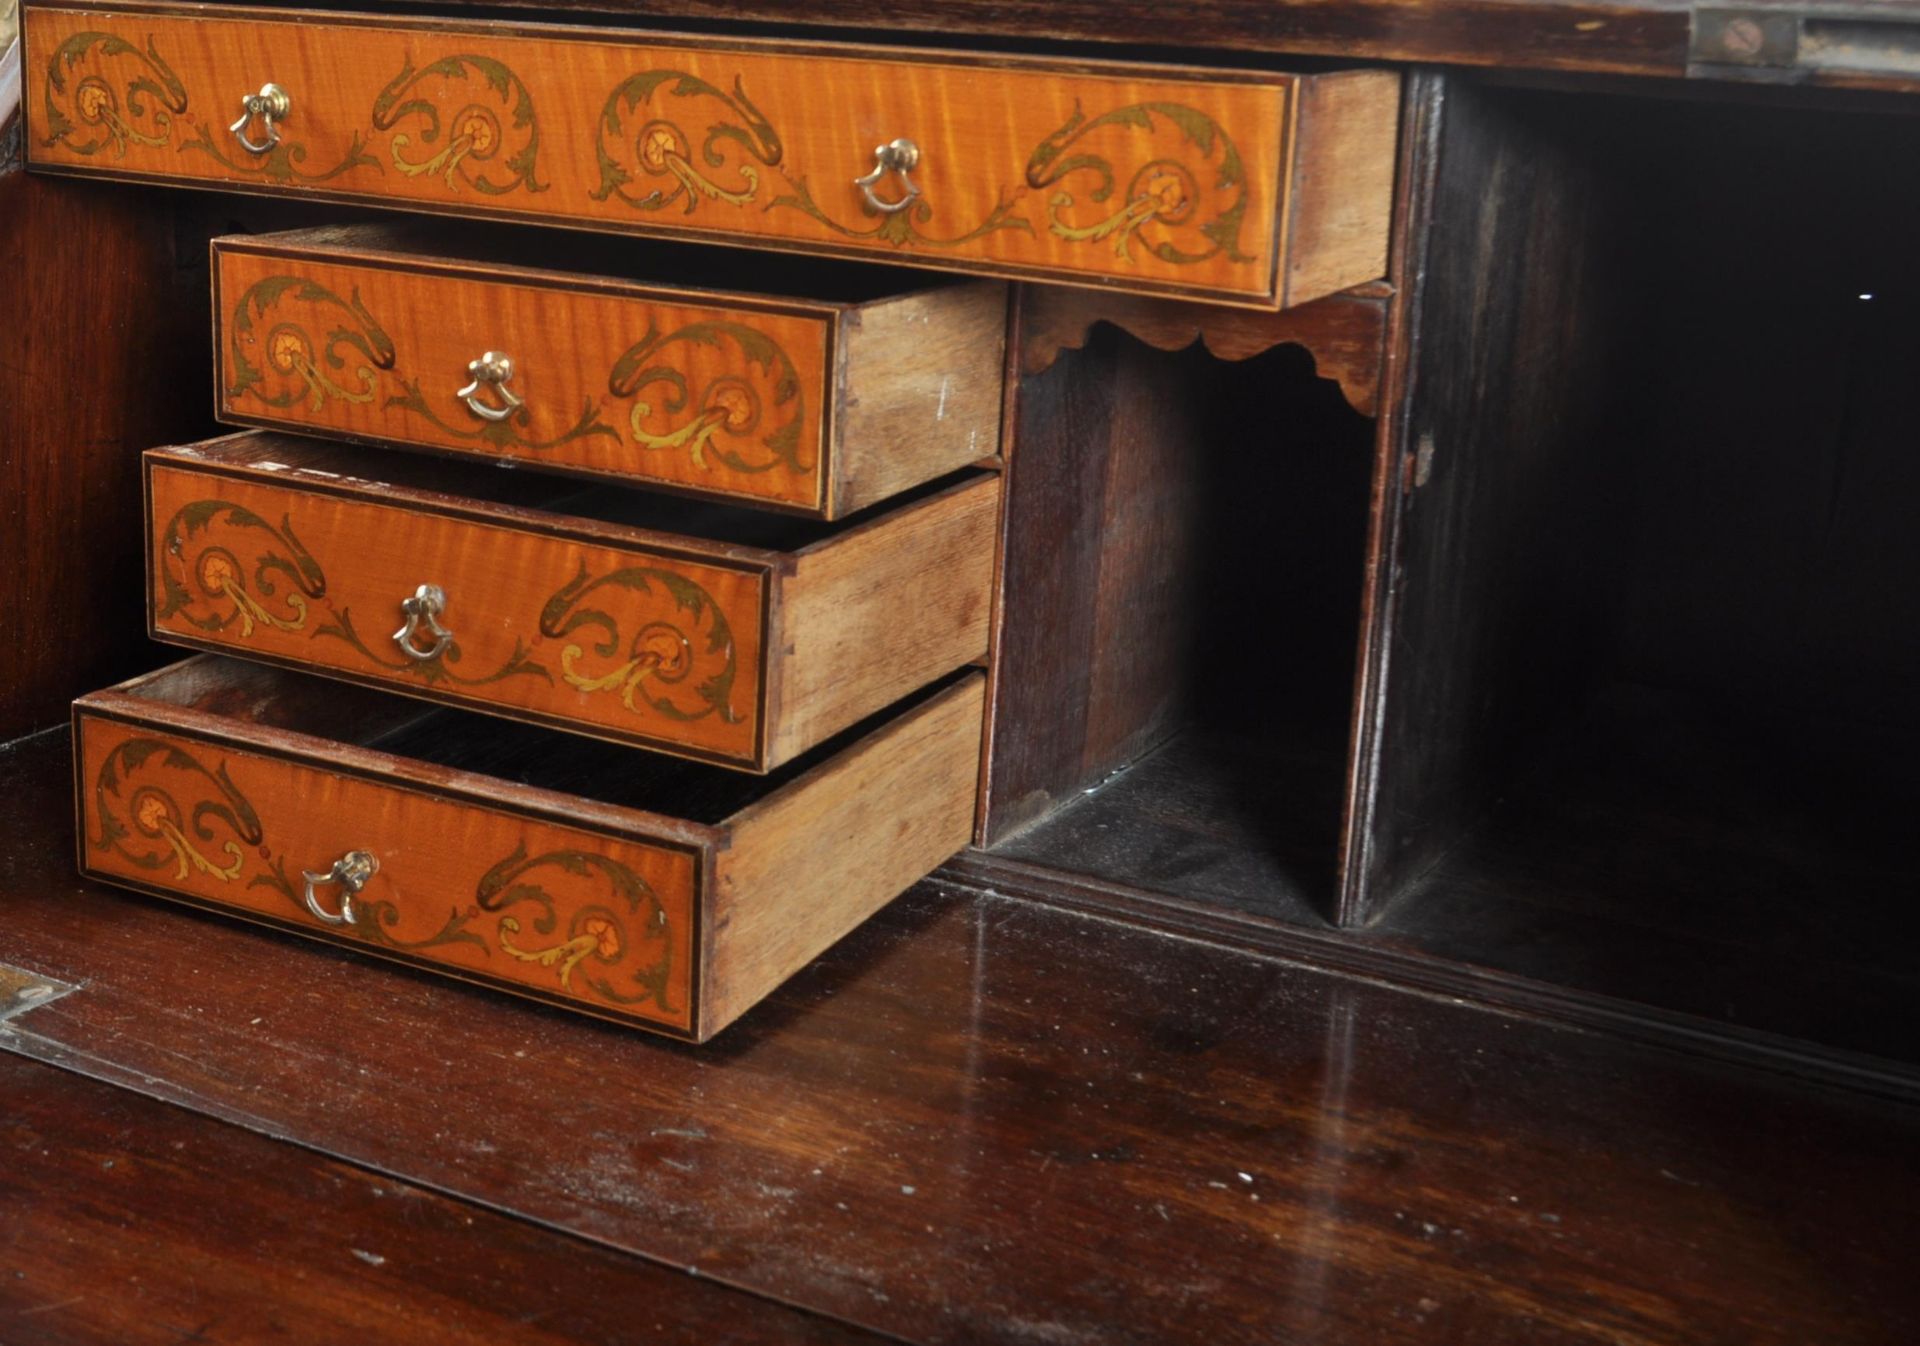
(921, 381)
(883, 611)
(808, 864)
(600, 923)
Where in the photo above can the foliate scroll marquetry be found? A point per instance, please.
(648, 638)
(593, 923)
(160, 809)
(467, 120)
(1161, 178)
(293, 342)
(687, 400)
(747, 417)
(227, 573)
(103, 94)
(650, 160)
(574, 921)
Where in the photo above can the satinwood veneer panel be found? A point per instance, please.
(821, 405)
(1257, 188)
(404, 573)
(675, 906)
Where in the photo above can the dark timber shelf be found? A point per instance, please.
(1697, 863)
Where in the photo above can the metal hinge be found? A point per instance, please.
(1787, 42)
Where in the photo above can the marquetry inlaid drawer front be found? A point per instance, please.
(1261, 189)
(248, 790)
(309, 554)
(821, 407)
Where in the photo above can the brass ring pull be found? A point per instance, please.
(270, 105)
(424, 609)
(896, 156)
(351, 871)
(491, 370)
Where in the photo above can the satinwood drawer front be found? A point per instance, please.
(818, 406)
(744, 643)
(1256, 188)
(672, 900)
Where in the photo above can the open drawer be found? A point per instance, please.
(1258, 188)
(821, 389)
(731, 635)
(660, 892)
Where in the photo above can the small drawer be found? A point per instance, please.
(662, 893)
(740, 637)
(1257, 188)
(823, 404)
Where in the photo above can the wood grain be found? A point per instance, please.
(142, 1224)
(812, 861)
(919, 393)
(224, 785)
(1642, 37)
(1346, 334)
(1340, 201)
(274, 568)
(367, 334)
(101, 335)
(921, 575)
(889, 1136)
(225, 813)
(1096, 600)
(1150, 179)
(302, 553)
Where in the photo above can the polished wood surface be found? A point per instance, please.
(1481, 647)
(101, 333)
(1648, 37)
(368, 333)
(1626, 753)
(241, 789)
(1158, 181)
(185, 1222)
(299, 552)
(979, 1119)
(1095, 613)
(1185, 539)
(1345, 334)
(1542, 907)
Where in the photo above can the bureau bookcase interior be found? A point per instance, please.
(1443, 525)
(1636, 697)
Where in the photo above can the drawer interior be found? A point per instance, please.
(318, 461)
(651, 262)
(252, 695)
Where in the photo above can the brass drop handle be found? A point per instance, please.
(491, 370)
(351, 871)
(270, 105)
(896, 156)
(424, 609)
